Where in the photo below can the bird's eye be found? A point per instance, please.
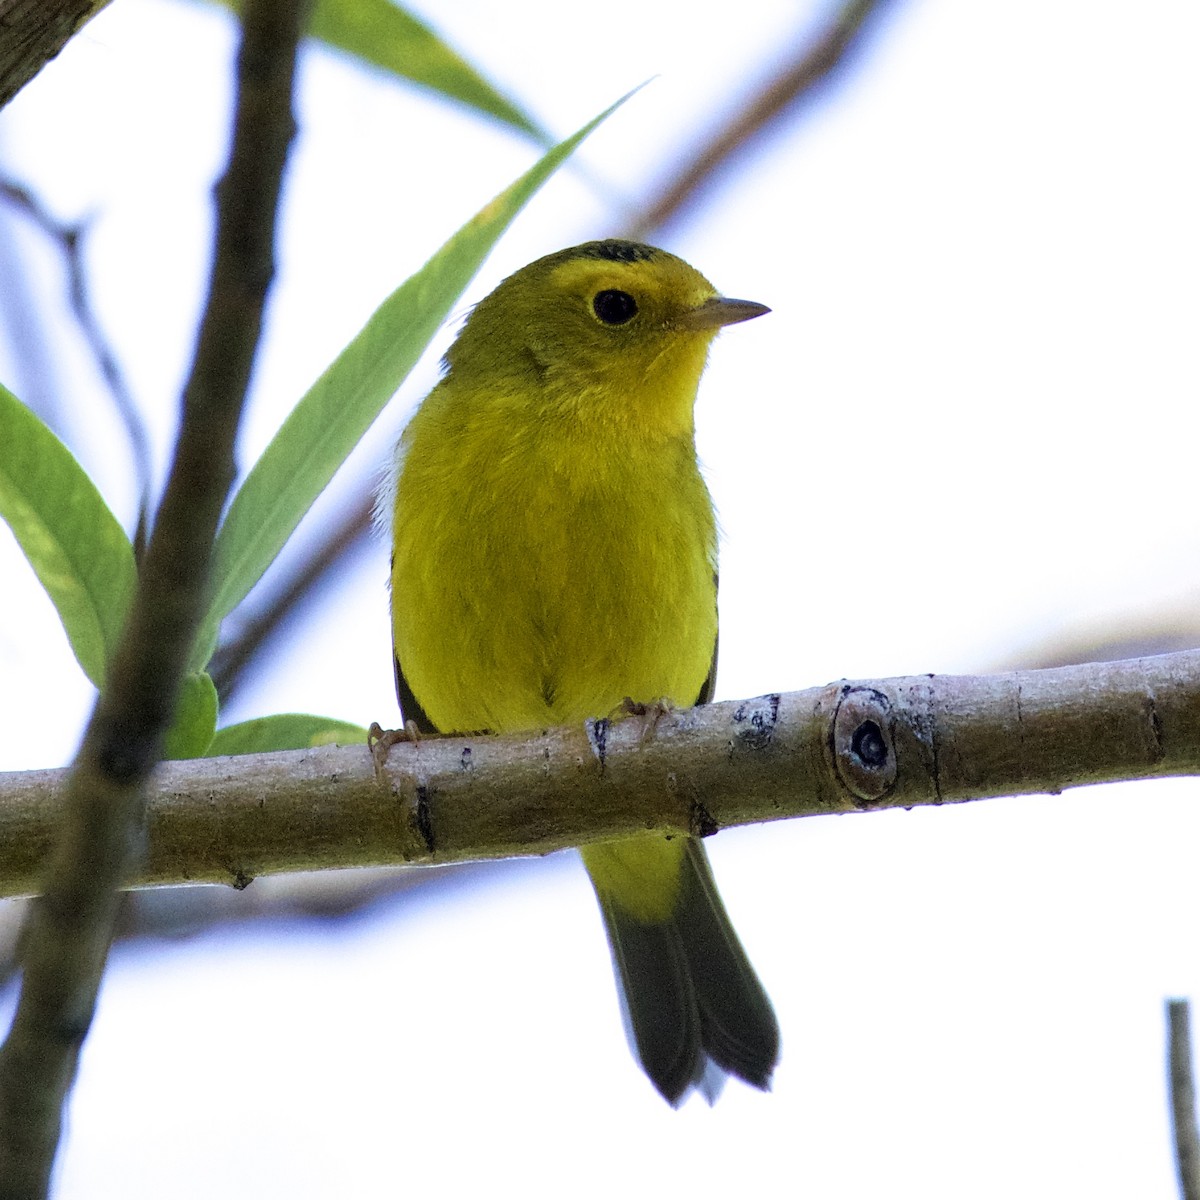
(613, 307)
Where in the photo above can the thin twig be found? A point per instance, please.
(1126, 635)
(66, 938)
(36, 364)
(69, 240)
(1183, 1098)
(234, 657)
(816, 59)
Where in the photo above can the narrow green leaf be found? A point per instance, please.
(285, 731)
(195, 718)
(330, 419)
(388, 36)
(72, 540)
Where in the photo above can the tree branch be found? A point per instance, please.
(96, 835)
(236, 656)
(1183, 1098)
(815, 61)
(846, 747)
(32, 32)
(68, 239)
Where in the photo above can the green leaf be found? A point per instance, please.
(330, 419)
(285, 731)
(387, 36)
(75, 545)
(195, 718)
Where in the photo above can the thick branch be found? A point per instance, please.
(66, 937)
(32, 32)
(847, 747)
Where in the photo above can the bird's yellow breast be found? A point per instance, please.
(546, 569)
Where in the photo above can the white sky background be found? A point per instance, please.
(968, 425)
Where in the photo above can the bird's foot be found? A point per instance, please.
(651, 714)
(380, 742)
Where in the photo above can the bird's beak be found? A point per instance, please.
(718, 311)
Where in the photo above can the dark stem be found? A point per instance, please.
(1183, 1098)
(68, 930)
(32, 32)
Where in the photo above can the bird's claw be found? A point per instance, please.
(380, 742)
(651, 714)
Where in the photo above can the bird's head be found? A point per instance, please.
(613, 331)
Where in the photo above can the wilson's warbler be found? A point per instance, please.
(555, 556)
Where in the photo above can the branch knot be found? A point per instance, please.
(864, 754)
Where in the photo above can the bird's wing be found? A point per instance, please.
(710, 683)
(410, 706)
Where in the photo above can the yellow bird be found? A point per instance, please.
(555, 555)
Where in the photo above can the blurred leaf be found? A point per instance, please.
(284, 731)
(390, 37)
(195, 718)
(330, 419)
(75, 545)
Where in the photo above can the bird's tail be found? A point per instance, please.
(691, 999)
